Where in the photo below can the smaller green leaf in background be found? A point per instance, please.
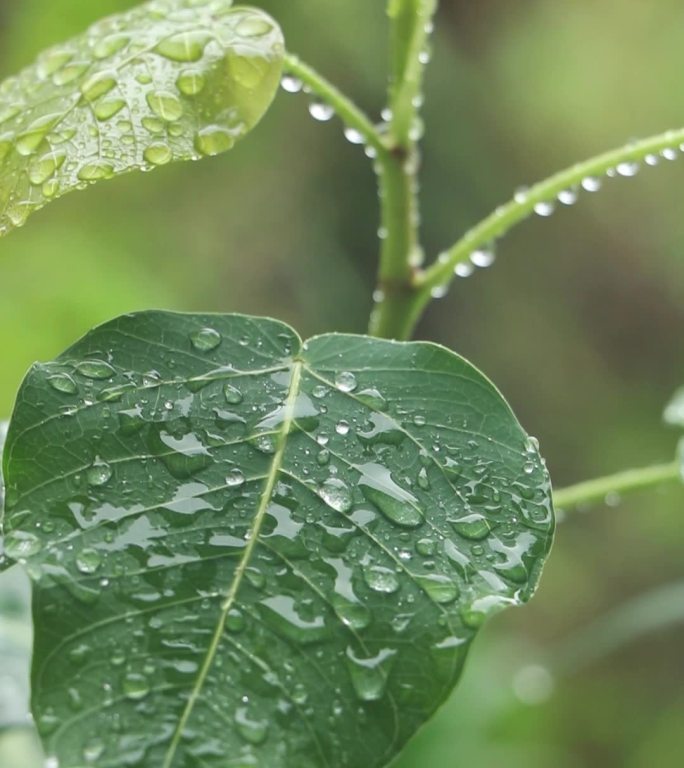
(674, 412)
(3, 436)
(168, 80)
(674, 416)
(246, 545)
(15, 649)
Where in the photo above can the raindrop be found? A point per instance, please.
(345, 381)
(93, 751)
(352, 614)
(135, 686)
(425, 547)
(264, 443)
(483, 258)
(342, 427)
(235, 621)
(110, 45)
(235, 479)
(252, 731)
(20, 545)
(321, 111)
(185, 46)
(353, 136)
(191, 82)
(52, 61)
(95, 369)
(96, 171)
(214, 140)
(232, 394)
(99, 473)
(591, 184)
(88, 561)
(165, 105)
(440, 588)
(291, 84)
(62, 382)
(521, 195)
(464, 269)
(43, 169)
(105, 109)
(205, 339)
(398, 505)
(372, 398)
(544, 208)
(381, 579)
(369, 675)
(336, 494)
(98, 85)
(568, 197)
(627, 169)
(473, 527)
(158, 154)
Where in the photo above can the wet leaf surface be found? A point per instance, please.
(248, 550)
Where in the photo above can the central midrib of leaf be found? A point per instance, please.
(229, 601)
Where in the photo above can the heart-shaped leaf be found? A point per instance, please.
(249, 551)
(168, 80)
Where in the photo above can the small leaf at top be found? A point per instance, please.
(168, 80)
(250, 551)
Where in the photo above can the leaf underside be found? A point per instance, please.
(169, 80)
(249, 551)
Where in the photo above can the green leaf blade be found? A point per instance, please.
(169, 80)
(260, 549)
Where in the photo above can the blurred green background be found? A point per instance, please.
(579, 322)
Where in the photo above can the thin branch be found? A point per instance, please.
(631, 480)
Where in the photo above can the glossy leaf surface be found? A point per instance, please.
(168, 80)
(250, 551)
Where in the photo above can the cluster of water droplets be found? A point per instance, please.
(324, 112)
(483, 257)
(169, 80)
(625, 169)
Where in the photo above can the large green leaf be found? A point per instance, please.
(168, 80)
(249, 551)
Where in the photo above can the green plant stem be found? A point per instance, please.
(520, 208)
(400, 253)
(411, 21)
(348, 112)
(398, 198)
(620, 483)
(439, 275)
